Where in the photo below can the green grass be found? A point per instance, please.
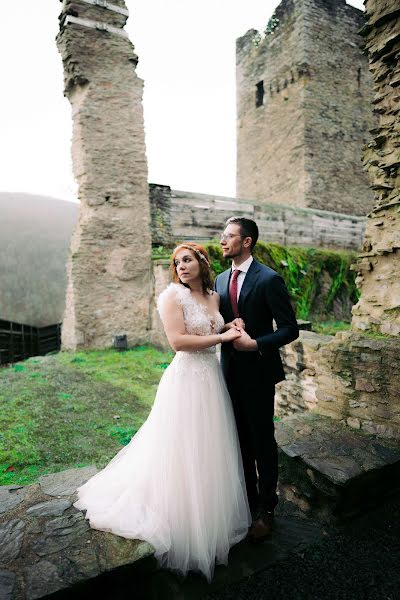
(70, 410)
(330, 327)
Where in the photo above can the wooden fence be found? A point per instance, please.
(19, 341)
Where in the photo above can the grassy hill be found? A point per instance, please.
(35, 233)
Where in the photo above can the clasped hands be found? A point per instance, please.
(243, 342)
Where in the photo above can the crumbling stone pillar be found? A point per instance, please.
(109, 276)
(379, 265)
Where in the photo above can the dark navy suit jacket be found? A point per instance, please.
(263, 298)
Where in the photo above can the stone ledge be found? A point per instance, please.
(48, 550)
(331, 471)
(46, 545)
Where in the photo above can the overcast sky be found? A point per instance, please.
(186, 52)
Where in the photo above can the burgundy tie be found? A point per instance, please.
(233, 288)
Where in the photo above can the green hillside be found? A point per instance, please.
(35, 233)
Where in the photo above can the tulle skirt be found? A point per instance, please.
(179, 483)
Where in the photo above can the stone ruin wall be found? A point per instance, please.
(379, 265)
(350, 378)
(109, 268)
(358, 377)
(297, 393)
(303, 146)
(358, 381)
(180, 215)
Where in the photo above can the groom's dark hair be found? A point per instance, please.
(248, 228)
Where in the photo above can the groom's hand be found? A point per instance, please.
(245, 343)
(238, 322)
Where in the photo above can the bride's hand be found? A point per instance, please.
(233, 333)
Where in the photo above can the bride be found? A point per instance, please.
(179, 483)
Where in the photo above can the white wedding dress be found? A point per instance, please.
(179, 483)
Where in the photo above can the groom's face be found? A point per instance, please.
(232, 241)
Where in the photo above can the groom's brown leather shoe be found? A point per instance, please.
(261, 527)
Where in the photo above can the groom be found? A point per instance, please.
(251, 364)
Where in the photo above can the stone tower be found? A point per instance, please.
(379, 265)
(303, 109)
(109, 265)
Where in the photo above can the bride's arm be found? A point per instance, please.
(174, 327)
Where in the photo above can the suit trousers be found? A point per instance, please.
(252, 394)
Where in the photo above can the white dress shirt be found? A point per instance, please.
(243, 268)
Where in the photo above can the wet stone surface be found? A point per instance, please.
(42, 576)
(47, 545)
(329, 467)
(66, 482)
(11, 536)
(7, 582)
(61, 533)
(10, 496)
(50, 508)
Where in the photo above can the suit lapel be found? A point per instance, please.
(225, 277)
(248, 283)
(226, 308)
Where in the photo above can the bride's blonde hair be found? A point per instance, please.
(201, 255)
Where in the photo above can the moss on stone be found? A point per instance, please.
(315, 278)
(304, 270)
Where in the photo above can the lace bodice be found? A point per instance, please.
(198, 320)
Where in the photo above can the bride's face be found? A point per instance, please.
(187, 266)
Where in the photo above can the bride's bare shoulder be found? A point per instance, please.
(173, 295)
(215, 297)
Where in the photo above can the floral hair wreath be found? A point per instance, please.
(200, 254)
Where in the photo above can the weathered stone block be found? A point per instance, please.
(353, 423)
(364, 385)
(43, 553)
(49, 508)
(11, 496)
(11, 536)
(332, 470)
(65, 483)
(7, 582)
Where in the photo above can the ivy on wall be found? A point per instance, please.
(269, 29)
(320, 282)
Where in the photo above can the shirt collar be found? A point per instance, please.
(244, 266)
